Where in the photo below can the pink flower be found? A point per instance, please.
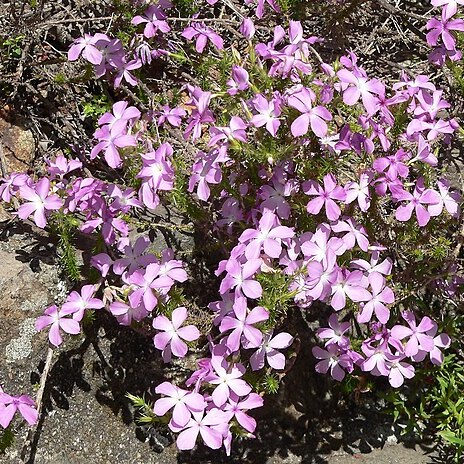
(86, 46)
(123, 73)
(359, 191)
(202, 33)
(172, 115)
(183, 402)
(170, 340)
(334, 334)
(240, 277)
(109, 142)
(269, 112)
(76, 303)
(355, 233)
(351, 284)
(57, 320)
(247, 28)
(149, 283)
(357, 86)
(399, 370)
(314, 117)
(228, 379)
(236, 408)
(418, 338)
(268, 237)
(242, 325)
(10, 404)
(450, 7)
(325, 196)
(121, 112)
(448, 200)
(260, 7)
(40, 201)
(269, 350)
(420, 197)
(134, 258)
(442, 28)
(154, 20)
(331, 359)
(239, 80)
(381, 295)
(211, 427)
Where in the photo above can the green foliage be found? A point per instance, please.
(145, 414)
(12, 47)
(99, 105)
(276, 298)
(6, 439)
(64, 226)
(270, 384)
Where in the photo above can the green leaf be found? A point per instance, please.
(451, 437)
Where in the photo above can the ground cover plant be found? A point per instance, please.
(316, 187)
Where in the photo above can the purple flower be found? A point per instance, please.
(381, 295)
(210, 426)
(449, 6)
(325, 196)
(86, 46)
(269, 112)
(236, 408)
(332, 359)
(202, 33)
(239, 80)
(154, 20)
(359, 191)
(268, 237)
(394, 163)
(123, 73)
(420, 197)
(242, 325)
(149, 283)
(57, 320)
(10, 404)
(334, 334)
(355, 233)
(314, 117)
(377, 359)
(172, 115)
(247, 28)
(260, 7)
(109, 142)
(121, 112)
(442, 28)
(357, 86)
(228, 379)
(399, 370)
(269, 350)
(240, 277)
(39, 202)
(76, 303)
(448, 200)
(183, 402)
(351, 284)
(170, 340)
(61, 166)
(418, 338)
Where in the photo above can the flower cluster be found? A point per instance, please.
(442, 30)
(302, 168)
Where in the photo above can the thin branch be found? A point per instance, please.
(39, 402)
